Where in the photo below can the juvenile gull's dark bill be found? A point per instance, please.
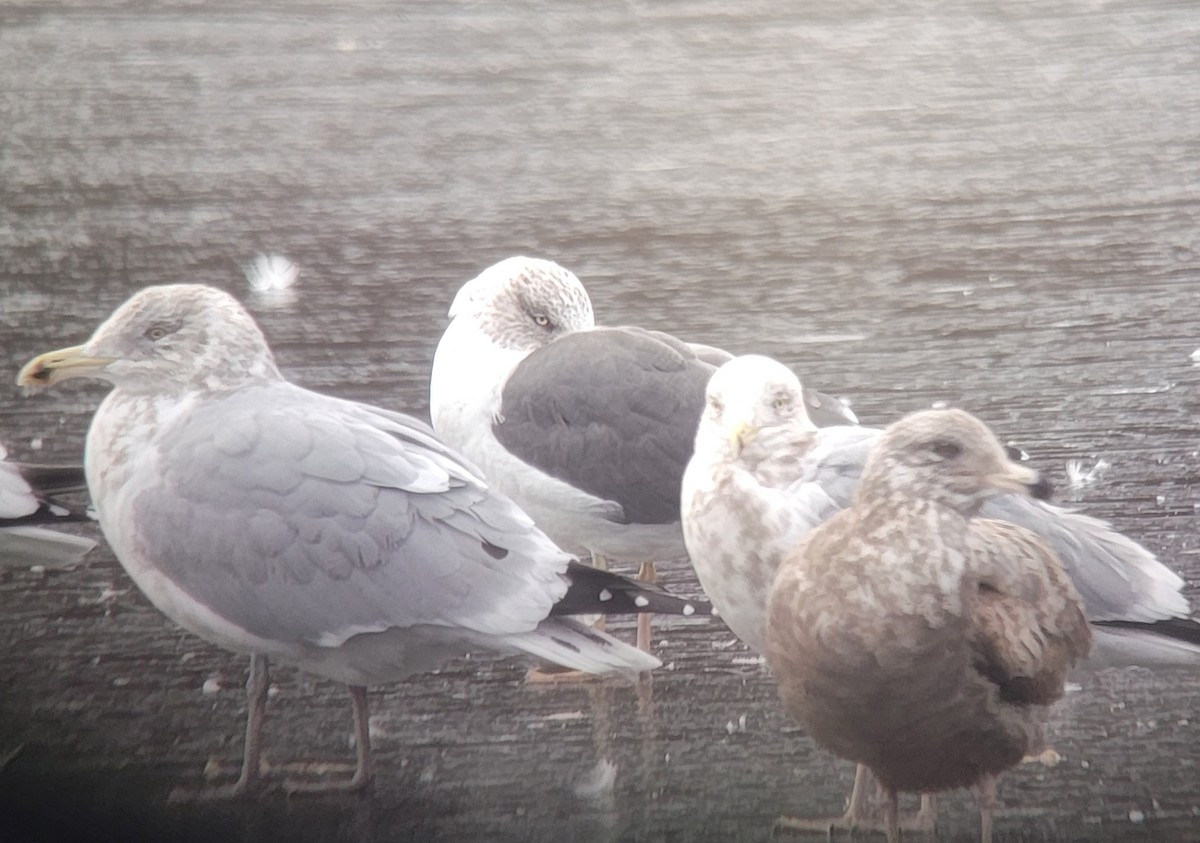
(31, 497)
(332, 535)
(587, 428)
(913, 637)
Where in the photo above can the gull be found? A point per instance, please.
(915, 638)
(763, 476)
(30, 496)
(328, 534)
(587, 428)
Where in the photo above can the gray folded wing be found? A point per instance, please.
(302, 517)
(612, 411)
(1117, 578)
(834, 463)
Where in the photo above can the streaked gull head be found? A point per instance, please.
(523, 303)
(946, 456)
(749, 395)
(164, 339)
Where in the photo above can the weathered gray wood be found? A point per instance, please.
(995, 208)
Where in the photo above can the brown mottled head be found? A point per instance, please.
(165, 339)
(946, 456)
(524, 303)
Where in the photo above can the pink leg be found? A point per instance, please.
(249, 780)
(364, 772)
(985, 797)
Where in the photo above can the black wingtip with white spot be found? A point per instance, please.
(593, 591)
(45, 483)
(48, 514)
(50, 480)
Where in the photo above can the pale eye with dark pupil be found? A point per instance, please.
(541, 321)
(156, 333)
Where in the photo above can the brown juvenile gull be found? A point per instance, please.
(332, 535)
(763, 476)
(913, 637)
(30, 498)
(587, 428)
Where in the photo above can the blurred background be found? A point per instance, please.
(990, 205)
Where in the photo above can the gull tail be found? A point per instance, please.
(1161, 643)
(27, 546)
(593, 591)
(567, 642)
(50, 512)
(28, 493)
(48, 480)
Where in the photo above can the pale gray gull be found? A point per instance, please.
(31, 497)
(913, 637)
(587, 428)
(324, 533)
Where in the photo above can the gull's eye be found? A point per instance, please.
(716, 405)
(947, 449)
(541, 320)
(161, 329)
(782, 401)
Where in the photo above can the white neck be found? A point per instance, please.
(469, 373)
(712, 452)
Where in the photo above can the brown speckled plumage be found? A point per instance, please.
(912, 637)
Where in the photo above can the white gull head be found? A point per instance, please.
(524, 303)
(746, 397)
